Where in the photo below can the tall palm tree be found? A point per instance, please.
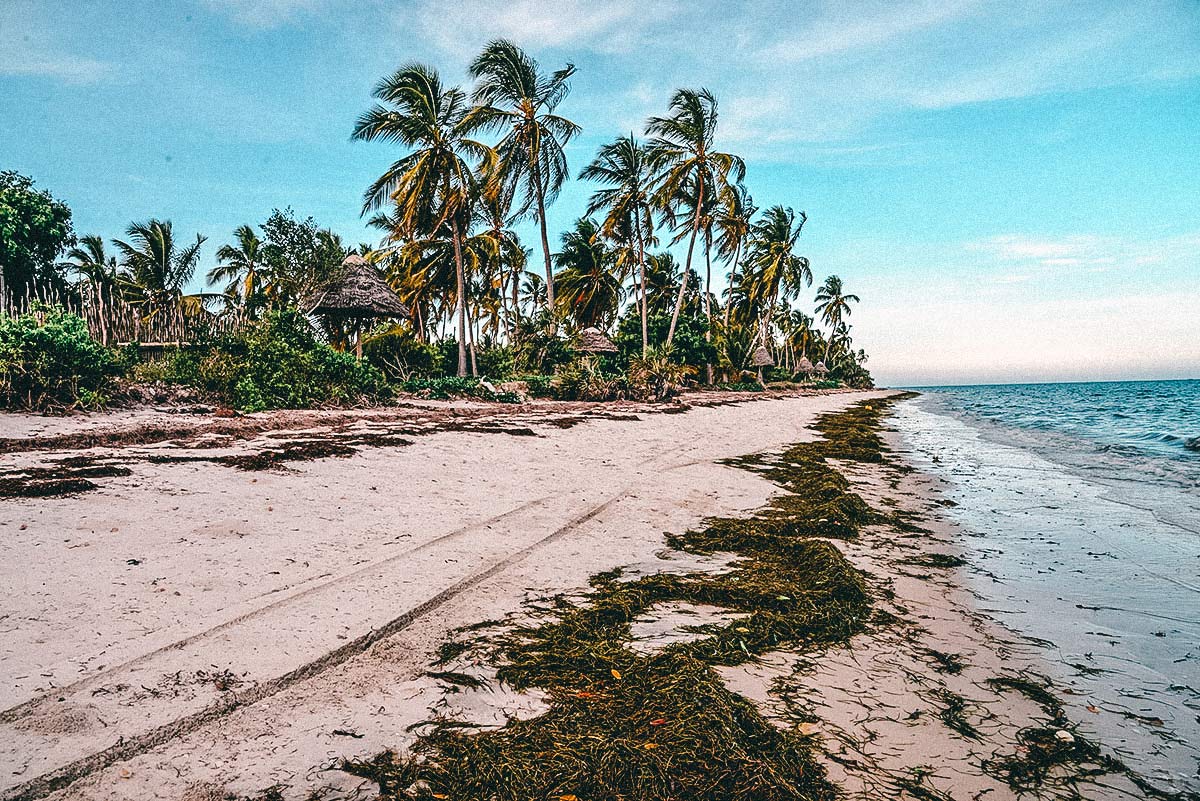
(833, 304)
(682, 147)
(774, 270)
(515, 97)
(590, 290)
(242, 267)
(157, 267)
(732, 219)
(435, 184)
(624, 167)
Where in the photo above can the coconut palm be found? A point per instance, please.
(590, 291)
(773, 269)
(533, 292)
(732, 220)
(434, 184)
(242, 267)
(513, 96)
(682, 148)
(833, 304)
(624, 168)
(90, 261)
(156, 267)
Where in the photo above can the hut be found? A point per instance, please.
(593, 340)
(358, 295)
(804, 366)
(820, 368)
(760, 359)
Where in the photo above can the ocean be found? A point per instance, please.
(1079, 506)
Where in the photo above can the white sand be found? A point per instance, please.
(267, 610)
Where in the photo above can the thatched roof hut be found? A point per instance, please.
(593, 340)
(360, 293)
(821, 368)
(762, 357)
(804, 365)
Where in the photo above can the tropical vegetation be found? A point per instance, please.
(468, 170)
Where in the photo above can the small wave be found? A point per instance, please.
(1192, 444)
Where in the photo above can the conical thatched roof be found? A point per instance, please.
(821, 368)
(593, 340)
(359, 293)
(762, 357)
(804, 365)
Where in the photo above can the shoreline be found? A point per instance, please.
(953, 660)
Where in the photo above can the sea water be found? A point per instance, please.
(1079, 507)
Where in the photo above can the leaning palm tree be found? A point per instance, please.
(773, 269)
(682, 147)
(157, 268)
(590, 290)
(515, 97)
(241, 267)
(833, 304)
(434, 185)
(624, 168)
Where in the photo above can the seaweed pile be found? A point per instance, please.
(623, 723)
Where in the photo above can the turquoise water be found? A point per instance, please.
(1079, 507)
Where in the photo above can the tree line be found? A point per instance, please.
(473, 164)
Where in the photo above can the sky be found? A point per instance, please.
(1013, 188)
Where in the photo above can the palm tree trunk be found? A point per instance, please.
(460, 287)
(541, 201)
(644, 300)
(737, 254)
(708, 368)
(687, 267)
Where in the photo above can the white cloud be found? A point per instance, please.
(30, 47)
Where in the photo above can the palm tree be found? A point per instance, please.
(590, 290)
(97, 273)
(90, 261)
(434, 185)
(773, 269)
(682, 147)
(624, 167)
(513, 96)
(732, 219)
(533, 292)
(242, 267)
(157, 268)
(833, 304)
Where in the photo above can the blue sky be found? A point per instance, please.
(1013, 188)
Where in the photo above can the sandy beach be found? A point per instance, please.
(195, 628)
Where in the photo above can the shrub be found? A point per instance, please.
(689, 346)
(277, 363)
(585, 379)
(400, 355)
(657, 376)
(49, 362)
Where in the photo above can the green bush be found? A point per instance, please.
(689, 346)
(49, 362)
(401, 356)
(277, 363)
(659, 375)
(586, 379)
